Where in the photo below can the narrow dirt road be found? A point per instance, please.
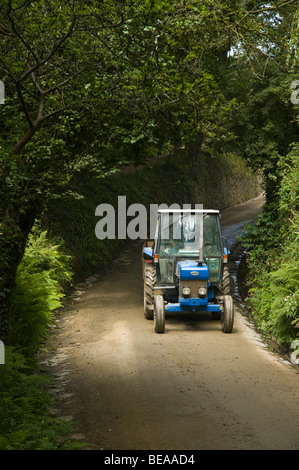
(190, 388)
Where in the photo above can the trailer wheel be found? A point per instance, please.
(159, 314)
(150, 281)
(227, 318)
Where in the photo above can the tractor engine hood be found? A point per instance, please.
(193, 270)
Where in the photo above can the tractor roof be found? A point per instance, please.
(188, 211)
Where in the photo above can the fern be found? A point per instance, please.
(284, 315)
(41, 276)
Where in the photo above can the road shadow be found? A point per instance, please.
(191, 321)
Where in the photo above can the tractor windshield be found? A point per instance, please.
(181, 237)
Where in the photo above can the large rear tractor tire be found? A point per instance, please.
(223, 290)
(159, 314)
(150, 281)
(227, 317)
(225, 284)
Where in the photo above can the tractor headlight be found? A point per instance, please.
(202, 291)
(186, 291)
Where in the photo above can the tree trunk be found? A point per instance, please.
(194, 149)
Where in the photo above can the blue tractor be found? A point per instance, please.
(185, 268)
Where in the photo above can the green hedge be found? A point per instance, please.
(273, 259)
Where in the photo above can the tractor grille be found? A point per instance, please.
(193, 285)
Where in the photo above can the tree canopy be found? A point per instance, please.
(92, 84)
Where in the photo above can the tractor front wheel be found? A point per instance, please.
(159, 314)
(227, 317)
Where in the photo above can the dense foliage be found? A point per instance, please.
(25, 421)
(41, 277)
(273, 259)
(92, 86)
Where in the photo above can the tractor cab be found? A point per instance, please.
(184, 267)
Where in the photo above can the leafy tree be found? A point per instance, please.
(272, 120)
(89, 84)
(265, 123)
(41, 61)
